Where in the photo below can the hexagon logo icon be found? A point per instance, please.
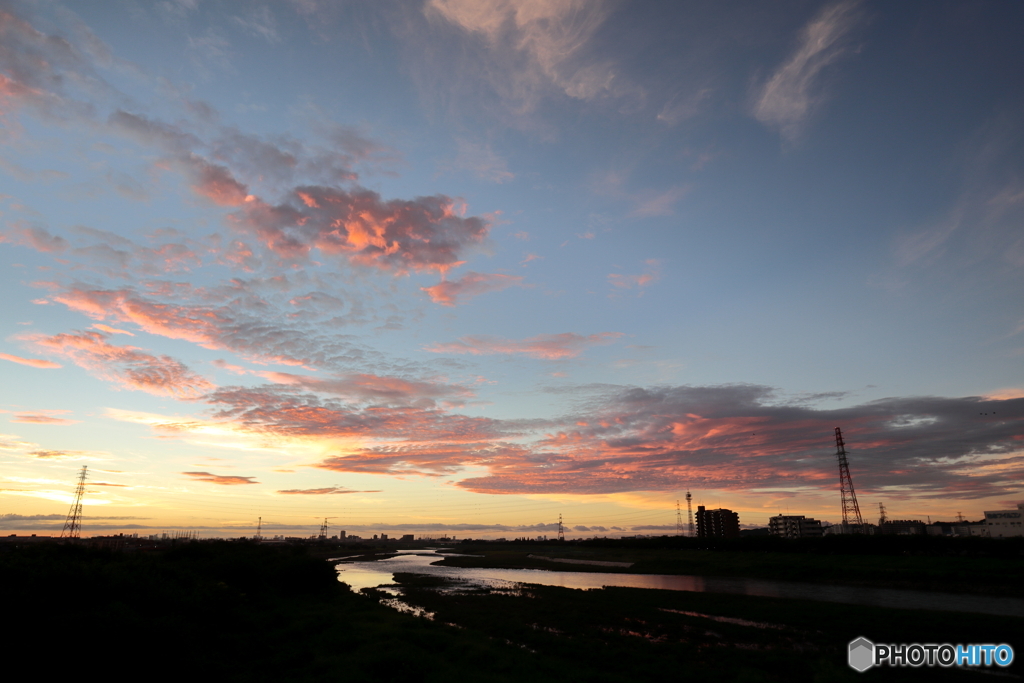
(861, 654)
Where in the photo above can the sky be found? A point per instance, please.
(458, 267)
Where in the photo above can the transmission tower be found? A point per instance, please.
(73, 524)
(679, 520)
(561, 529)
(689, 513)
(850, 507)
(259, 529)
(881, 514)
(323, 530)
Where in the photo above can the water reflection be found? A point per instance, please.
(370, 574)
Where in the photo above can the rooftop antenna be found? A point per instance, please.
(561, 529)
(689, 513)
(850, 507)
(73, 524)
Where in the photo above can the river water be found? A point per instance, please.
(371, 574)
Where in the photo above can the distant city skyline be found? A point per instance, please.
(461, 266)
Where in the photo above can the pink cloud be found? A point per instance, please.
(31, 362)
(423, 234)
(451, 292)
(737, 438)
(60, 454)
(330, 490)
(127, 366)
(222, 479)
(217, 184)
(34, 418)
(651, 274)
(733, 437)
(241, 325)
(111, 330)
(377, 389)
(546, 346)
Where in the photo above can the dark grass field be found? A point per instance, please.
(244, 612)
(639, 634)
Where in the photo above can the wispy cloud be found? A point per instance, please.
(482, 161)
(651, 273)
(37, 418)
(533, 46)
(222, 479)
(790, 95)
(452, 292)
(545, 346)
(126, 366)
(328, 491)
(31, 362)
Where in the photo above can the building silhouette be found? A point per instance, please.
(720, 523)
(794, 526)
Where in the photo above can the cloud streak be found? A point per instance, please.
(544, 346)
(791, 94)
(31, 362)
(453, 292)
(328, 491)
(221, 479)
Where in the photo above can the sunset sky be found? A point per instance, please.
(461, 266)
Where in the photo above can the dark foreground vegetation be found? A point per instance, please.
(981, 566)
(243, 612)
(227, 611)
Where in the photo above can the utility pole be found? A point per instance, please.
(851, 511)
(73, 524)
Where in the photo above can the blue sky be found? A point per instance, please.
(417, 265)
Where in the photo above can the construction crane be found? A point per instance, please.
(851, 511)
(73, 524)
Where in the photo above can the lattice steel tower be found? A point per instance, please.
(679, 520)
(850, 507)
(689, 513)
(561, 529)
(73, 524)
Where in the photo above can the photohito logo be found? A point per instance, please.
(863, 654)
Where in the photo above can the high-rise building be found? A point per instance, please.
(719, 523)
(794, 526)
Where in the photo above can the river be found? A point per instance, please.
(369, 574)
